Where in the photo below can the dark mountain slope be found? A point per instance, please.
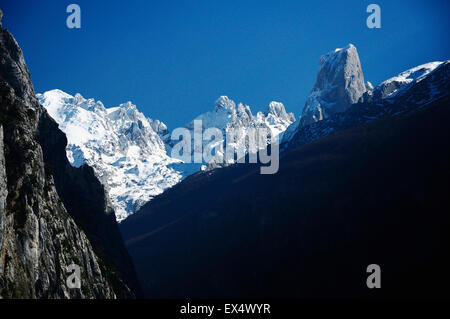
(377, 193)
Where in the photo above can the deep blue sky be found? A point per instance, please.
(174, 58)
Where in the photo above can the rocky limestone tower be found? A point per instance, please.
(339, 84)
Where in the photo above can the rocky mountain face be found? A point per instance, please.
(226, 115)
(385, 101)
(398, 85)
(124, 148)
(400, 94)
(42, 231)
(3, 190)
(339, 84)
(131, 154)
(85, 199)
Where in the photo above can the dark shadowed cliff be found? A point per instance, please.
(51, 215)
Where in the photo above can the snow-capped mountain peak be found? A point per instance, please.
(223, 103)
(130, 153)
(226, 116)
(399, 83)
(277, 110)
(402, 94)
(120, 143)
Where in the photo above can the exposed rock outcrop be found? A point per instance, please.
(87, 202)
(119, 143)
(3, 191)
(339, 84)
(132, 154)
(39, 238)
(414, 93)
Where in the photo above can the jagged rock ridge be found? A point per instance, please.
(124, 148)
(387, 99)
(228, 118)
(349, 102)
(339, 84)
(131, 154)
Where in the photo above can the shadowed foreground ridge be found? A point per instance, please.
(368, 193)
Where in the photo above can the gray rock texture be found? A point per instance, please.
(339, 84)
(415, 95)
(3, 193)
(39, 236)
(87, 203)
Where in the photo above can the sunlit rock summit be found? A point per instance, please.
(339, 84)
